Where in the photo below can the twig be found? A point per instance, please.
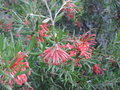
(59, 11)
(49, 11)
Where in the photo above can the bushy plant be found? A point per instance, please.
(58, 45)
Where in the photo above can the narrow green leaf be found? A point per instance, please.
(18, 47)
(7, 64)
(1, 42)
(3, 73)
(18, 72)
(7, 87)
(32, 44)
(59, 16)
(23, 72)
(35, 53)
(59, 35)
(119, 35)
(37, 25)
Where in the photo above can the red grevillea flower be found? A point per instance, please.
(18, 66)
(8, 27)
(56, 55)
(43, 31)
(97, 69)
(83, 44)
(69, 9)
(45, 26)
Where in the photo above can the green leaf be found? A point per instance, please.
(52, 2)
(32, 44)
(7, 87)
(35, 53)
(23, 72)
(3, 73)
(59, 16)
(59, 35)
(1, 42)
(18, 72)
(37, 25)
(119, 35)
(36, 73)
(7, 64)
(18, 47)
(44, 45)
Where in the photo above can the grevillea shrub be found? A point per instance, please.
(39, 52)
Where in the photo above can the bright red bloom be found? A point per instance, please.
(69, 46)
(45, 26)
(97, 69)
(83, 44)
(8, 27)
(70, 16)
(85, 50)
(43, 31)
(41, 39)
(69, 9)
(18, 65)
(56, 55)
